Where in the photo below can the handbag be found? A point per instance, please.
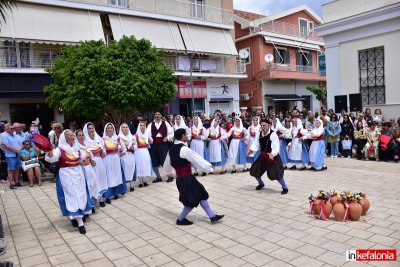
(346, 144)
(29, 164)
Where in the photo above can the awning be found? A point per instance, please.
(286, 42)
(48, 24)
(285, 97)
(202, 39)
(23, 85)
(162, 34)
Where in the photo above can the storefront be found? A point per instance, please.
(222, 94)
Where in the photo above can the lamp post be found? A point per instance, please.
(191, 80)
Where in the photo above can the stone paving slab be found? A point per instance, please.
(261, 228)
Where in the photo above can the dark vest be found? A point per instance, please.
(265, 142)
(162, 130)
(182, 167)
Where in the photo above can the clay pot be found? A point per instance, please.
(328, 208)
(334, 199)
(365, 204)
(339, 210)
(355, 210)
(316, 209)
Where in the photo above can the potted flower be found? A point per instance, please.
(334, 194)
(364, 202)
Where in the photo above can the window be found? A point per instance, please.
(119, 3)
(8, 53)
(303, 28)
(311, 26)
(304, 61)
(372, 76)
(282, 56)
(244, 55)
(25, 53)
(197, 9)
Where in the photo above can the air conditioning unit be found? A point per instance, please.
(244, 97)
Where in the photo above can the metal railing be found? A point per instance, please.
(26, 58)
(290, 30)
(205, 65)
(179, 8)
(292, 68)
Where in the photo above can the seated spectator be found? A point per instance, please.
(368, 116)
(346, 136)
(372, 146)
(378, 117)
(2, 239)
(396, 148)
(386, 143)
(360, 138)
(28, 153)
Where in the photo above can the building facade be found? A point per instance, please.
(197, 37)
(362, 57)
(281, 55)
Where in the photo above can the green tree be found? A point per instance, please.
(320, 94)
(4, 6)
(95, 81)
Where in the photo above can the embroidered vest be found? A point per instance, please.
(68, 159)
(182, 166)
(111, 147)
(142, 143)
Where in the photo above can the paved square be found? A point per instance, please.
(261, 228)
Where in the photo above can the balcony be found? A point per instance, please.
(180, 8)
(289, 30)
(297, 72)
(224, 66)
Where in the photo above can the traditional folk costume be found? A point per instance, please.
(317, 148)
(128, 160)
(251, 133)
(115, 179)
(73, 196)
(298, 153)
(180, 125)
(267, 144)
(216, 148)
(198, 135)
(158, 149)
(191, 192)
(237, 147)
(142, 157)
(96, 147)
(282, 132)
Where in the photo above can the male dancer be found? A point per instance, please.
(159, 131)
(191, 192)
(269, 160)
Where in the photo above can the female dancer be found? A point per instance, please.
(281, 131)
(115, 150)
(142, 155)
(298, 153)
(216, 148)
(317, 148)
(128, 161)
(251, 132)
(237, 146)
(197, 136)
(96, 146)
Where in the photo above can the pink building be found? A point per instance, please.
(281, 54)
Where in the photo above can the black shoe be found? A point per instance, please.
(233, 171)
(93, 210)
(303, 168)
(123, 194)
(82, 230)
(145, 184)
(293, 167)
(312, 169)
(170, 179)
(284, 191)
(131, 189)
(285, 168)
(196, 174)
(184, 222)
(13, 186)
(157, 180)
(108, 201)
(18, 184)
(244, 170)
(216, 218)
(84, 217)
(324, 168)
(140, 186)
(102, 204)
(74, 223)
(203, 174)
(116, 197)
(259, 187)
(223, 172)
(5, 263)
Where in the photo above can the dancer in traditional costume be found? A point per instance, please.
(179, 124)
(237, 146)
(197, 137)
(191, 192)
(317, 148)
(269, 160)
(96, 146)
(159, 131)
(281, 132)
(216, 148)
(115, 149)
(73, 196)
(251, 133)
(128, 160)
(88, 165)
(142, 155)
(298, 153)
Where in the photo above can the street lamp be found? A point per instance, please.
(191, 79)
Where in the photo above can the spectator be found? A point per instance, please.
(57, 128)
(352, 117)
(3, 243)
(334, 131)
(378, 117)
(368, 116)
(360, 137)
(346, 135)
(12, 149)
(360, 118)
(28, 153)
(372, 146)
(73, 126)
(19, 133)
(396, 148)
(386, 143)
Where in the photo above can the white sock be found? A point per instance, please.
(80, 221)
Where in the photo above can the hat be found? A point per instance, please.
(179, 133)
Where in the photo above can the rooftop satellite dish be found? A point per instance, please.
(244, 53)
(269, 57)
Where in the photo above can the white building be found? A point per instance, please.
(362, 52)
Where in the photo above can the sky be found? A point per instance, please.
(270, 7)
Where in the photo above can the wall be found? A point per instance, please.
(214, 84)
(294, 18)
(302, 91)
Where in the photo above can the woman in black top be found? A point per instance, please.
(346, 134)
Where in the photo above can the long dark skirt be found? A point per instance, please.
(274, 170)
(191, 191)
(158, 153)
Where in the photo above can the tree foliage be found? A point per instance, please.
(320, 94)
(4, 6)
(94, 80)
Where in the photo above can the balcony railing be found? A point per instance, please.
(297, 68)
(290, 30)
(179, 8)
(26, 58)
(205, 65)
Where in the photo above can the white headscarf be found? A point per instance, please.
(127, 139)
(240, 128)
(144, 136)
(255, 128)
(97, 139)
(199, 124)
(114, 137)
(62, 144)
(277, 126)
(316, 132)
(214, 130)
(182, 124)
